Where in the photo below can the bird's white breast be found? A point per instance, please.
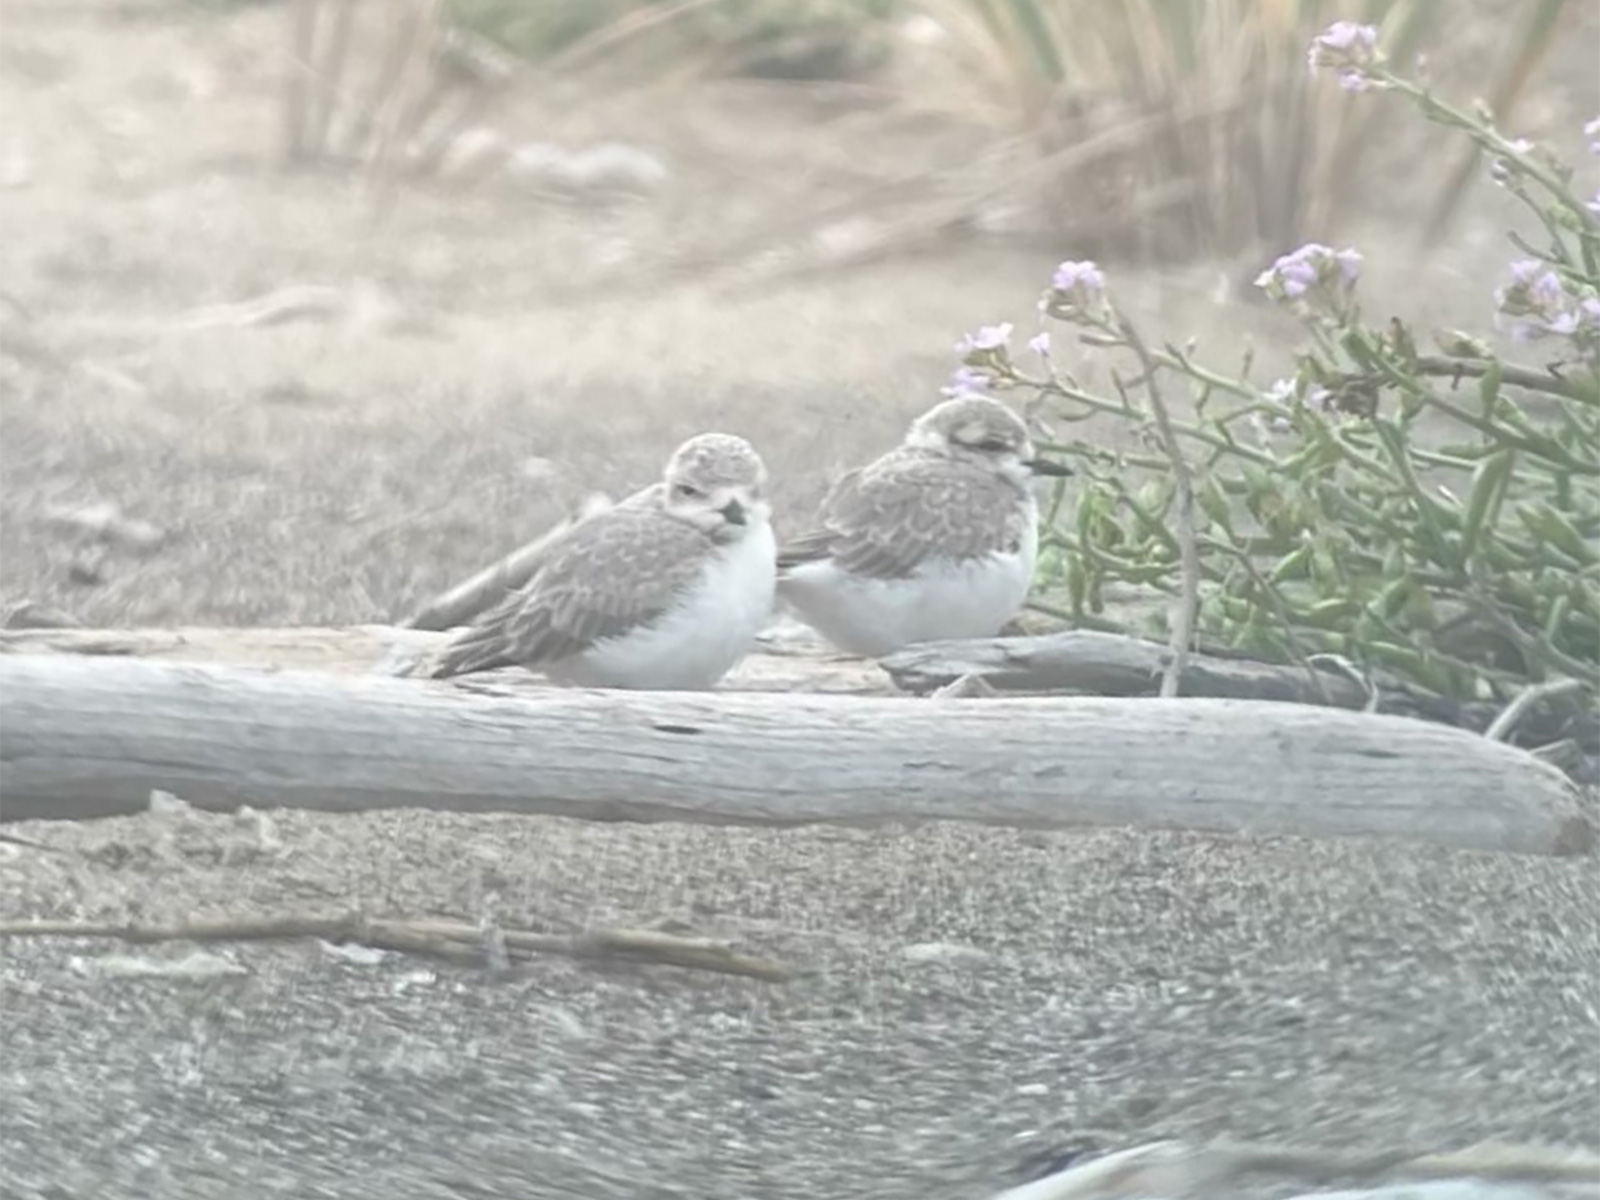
(942, 598)
(696, 642)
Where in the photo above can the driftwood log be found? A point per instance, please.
(83, 736)
(1104, 664)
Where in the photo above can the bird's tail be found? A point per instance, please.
(472, 650)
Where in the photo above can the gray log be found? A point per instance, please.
(85, 736)
(1104, 664)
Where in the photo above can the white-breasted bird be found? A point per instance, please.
(666, 590)
(936, 539)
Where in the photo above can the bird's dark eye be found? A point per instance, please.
(688, 491)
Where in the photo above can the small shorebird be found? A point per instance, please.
(936, 539)
(667, 590)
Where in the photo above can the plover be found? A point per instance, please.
(936, 539)
(666, 590)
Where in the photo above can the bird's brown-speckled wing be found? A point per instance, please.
(886, 519)
(618, 570)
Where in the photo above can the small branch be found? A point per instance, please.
(1508, 720)
(452, 940)
(1530, 378)
(1188, 541)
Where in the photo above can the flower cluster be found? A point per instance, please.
(1592, 132)
(985, 357)
(1283, 397)
(1537, 303)
(1351, 50)
(1077, 293)
(967, 381)
(1314, 278)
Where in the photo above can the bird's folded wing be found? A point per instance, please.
(617, 571)
(884, 521)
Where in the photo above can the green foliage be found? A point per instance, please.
(1433, 515)
(1230, 149)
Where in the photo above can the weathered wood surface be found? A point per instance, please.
(777, 665)
(1103, 664)
(84, 736)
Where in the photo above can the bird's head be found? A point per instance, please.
(717, 483)
(983, 431)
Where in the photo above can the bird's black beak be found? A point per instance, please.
(732, 512)
(1043, 466)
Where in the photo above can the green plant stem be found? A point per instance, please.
(1188, 541)
(1193, 432)
(1270, 593)
(1533, 380)
(1443, 113)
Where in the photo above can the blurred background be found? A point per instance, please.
(330, 302)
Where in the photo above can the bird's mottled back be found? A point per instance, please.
(935, 539)
(954, 489)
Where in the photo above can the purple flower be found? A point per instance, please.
(1349, 49)
(1039, 343)
(1593, 205)
(1281, 393)
(1314, 277)
(1592, 132)
(1537, 303)
(988, 338)
(1072, 276)
(1077, 293)
(967, 381)
(1320, 398)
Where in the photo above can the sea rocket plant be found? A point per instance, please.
(1382, 479)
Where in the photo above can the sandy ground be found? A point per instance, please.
(1093, 990)
(1114, 986)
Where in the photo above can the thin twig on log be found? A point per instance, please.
(469, 598)
(453, 940)
(1172, 1168)
(1508, 720)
